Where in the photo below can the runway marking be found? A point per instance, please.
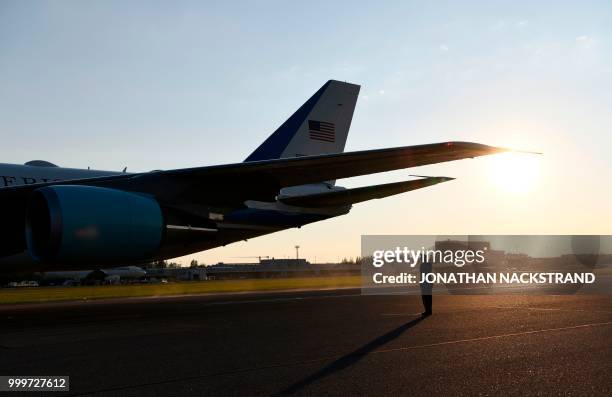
(334, 357)
(451, 342)
(552, 309)
(140, 299)
(287, 299)
(401, 314)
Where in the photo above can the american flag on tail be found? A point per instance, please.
(322, 131)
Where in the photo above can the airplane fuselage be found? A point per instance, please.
(17, 174)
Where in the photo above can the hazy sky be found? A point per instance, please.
(170, 84)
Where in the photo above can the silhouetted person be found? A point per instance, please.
(426, 289)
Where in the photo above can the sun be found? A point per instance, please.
(516, 173)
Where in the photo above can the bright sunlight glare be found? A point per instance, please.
(516, 173)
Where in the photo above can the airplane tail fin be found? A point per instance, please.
(319, 126)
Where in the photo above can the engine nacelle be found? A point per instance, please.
(92, 225)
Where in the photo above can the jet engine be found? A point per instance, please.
(92, 225)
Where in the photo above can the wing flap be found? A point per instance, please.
(357, 195)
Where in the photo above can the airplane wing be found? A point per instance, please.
(262, 180)
(232, 184)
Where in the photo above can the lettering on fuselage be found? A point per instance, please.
(6, 181)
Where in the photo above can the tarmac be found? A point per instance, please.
(332, 342)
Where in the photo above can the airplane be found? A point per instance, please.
(57, 218)
(116, 273)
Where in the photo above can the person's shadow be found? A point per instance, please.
(351, 358)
